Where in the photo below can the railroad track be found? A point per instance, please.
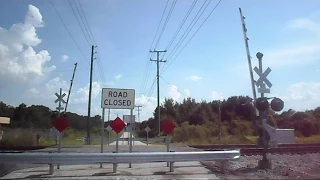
(251, 149)
(20, 148)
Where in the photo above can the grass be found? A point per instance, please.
(306, 140)
(27, 138)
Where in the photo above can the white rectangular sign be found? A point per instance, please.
(127, 118)
(117, 98)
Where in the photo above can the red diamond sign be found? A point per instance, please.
(61, 123)
(168, 126)
(117, 125)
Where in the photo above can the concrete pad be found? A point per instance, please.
(182, 170)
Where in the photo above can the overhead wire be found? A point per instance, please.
(181, 25)
(90, 35)
(215, 7)
(77, 19)
(166, 22)
(65, 26)
(148, 64)
(174, 87)
(189, 28)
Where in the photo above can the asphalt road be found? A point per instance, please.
(191, 170)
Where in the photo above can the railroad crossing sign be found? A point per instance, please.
(60, 98)
(263, 77)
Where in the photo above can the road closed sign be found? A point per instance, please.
(117, 98)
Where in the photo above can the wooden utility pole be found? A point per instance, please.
(89, 101)
(158, 88)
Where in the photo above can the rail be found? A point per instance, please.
(115, 158)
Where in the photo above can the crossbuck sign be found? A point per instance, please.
(60, 98)
(117, 98)
(262, 81)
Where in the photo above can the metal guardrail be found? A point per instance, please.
(115, 158)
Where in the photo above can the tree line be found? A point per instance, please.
(232, 116)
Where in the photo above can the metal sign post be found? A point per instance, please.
(102, 132)
(59, 108)
(131, 129)
(147, 129)
(261, 83)
(109, 129)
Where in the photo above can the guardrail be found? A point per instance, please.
(115, 158)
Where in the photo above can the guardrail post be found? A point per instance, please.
(223, 166)
(51, 167)
(114, 166)
(172, 165)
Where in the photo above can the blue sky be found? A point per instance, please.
(38, 54)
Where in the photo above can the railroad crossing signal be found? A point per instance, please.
(60, 98)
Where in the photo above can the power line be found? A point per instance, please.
(174, 86)
(189, 28)
(181, 24)
(91, 37)
(147, 68)
(159, 24)
(194, 34)
(74, 13)
(166, 22)
(68, 30)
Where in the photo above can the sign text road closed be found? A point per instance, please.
(117, 98)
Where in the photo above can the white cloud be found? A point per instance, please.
(194, 78)
(301, 96)
(305, 24)
(186, 92)
(173, 92)
(47, 91)
(216, 96)
(64, 58)
(18, 59)
(82, 94)
(118, 76)
(301, 52)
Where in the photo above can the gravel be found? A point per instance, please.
(305, 166)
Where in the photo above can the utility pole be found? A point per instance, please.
(139, 106)
(89, 102)
(74, 71)
(158, 88)
(134, 125)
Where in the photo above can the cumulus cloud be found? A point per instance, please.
(118, 76)
(305, 24)
(64, 58)
(301, 96)
(174, 93)
(303, 52)
(18, 59)
(194, 78)
(216, 96)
